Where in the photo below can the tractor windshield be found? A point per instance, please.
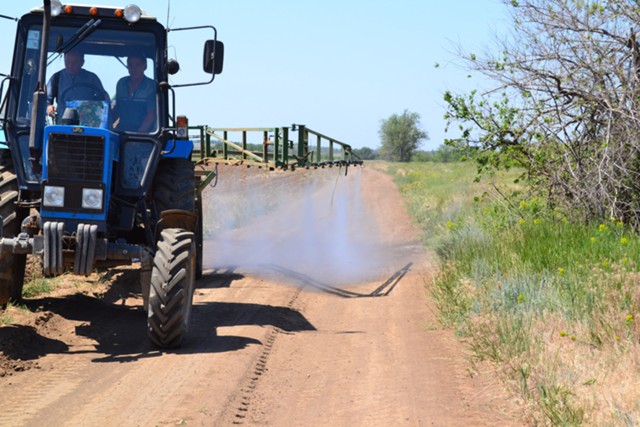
(108, 76)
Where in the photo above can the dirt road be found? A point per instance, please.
(310, 313)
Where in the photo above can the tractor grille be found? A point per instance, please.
(75, 157)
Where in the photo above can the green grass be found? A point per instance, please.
(38, 286)
(554, 304)
(5, 319)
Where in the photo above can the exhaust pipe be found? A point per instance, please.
(39, 105)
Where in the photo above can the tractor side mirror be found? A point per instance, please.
(213, 57)
(173, 66)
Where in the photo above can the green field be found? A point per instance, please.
(553, 305)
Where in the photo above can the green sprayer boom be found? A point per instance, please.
(285, 148)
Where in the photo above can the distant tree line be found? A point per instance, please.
(442, 154)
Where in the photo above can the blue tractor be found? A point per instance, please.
(90, 188)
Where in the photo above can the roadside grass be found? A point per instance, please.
(553, 304)
(6, 319)
(35, 283)
(12, 314)
(37, 286)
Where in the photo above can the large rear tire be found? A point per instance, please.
(11, 266)
(172, 286)
(174, 186)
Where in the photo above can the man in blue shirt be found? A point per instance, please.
(135, 100)
(73, 83)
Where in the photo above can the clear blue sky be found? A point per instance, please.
(338, 66)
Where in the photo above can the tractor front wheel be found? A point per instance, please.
(172, 287)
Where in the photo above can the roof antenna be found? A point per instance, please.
(9, 18)
(168, 11)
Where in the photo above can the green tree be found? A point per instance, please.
(365, 153)
(401, 136)
(565, 104)
(446, 154)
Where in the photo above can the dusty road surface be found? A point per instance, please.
(313, 311)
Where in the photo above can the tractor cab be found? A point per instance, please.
(98, 42)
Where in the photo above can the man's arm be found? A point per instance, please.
(52, 92)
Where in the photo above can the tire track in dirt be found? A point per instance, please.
(246, 392)
(56, 354)
(242, 403)
(21, 403)
(141, 394)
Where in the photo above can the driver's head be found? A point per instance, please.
(73, 62)
(136, 64)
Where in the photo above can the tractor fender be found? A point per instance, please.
(177, 148)
(177, 218)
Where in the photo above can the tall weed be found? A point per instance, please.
(553, 303)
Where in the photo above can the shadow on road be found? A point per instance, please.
(118, 332)
(219, 278)
(21, 342)
(381, 291)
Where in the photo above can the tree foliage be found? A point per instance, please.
(401, 136)
(365, 153)
(565, 105)
(443, 154)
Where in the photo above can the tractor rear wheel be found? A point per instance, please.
(11, 266)
(172, 287)
(174, 186)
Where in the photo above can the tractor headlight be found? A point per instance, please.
(132, 13)
(56, 8)
(53, 196)
(91, 198)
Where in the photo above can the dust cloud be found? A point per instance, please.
(294, 227)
